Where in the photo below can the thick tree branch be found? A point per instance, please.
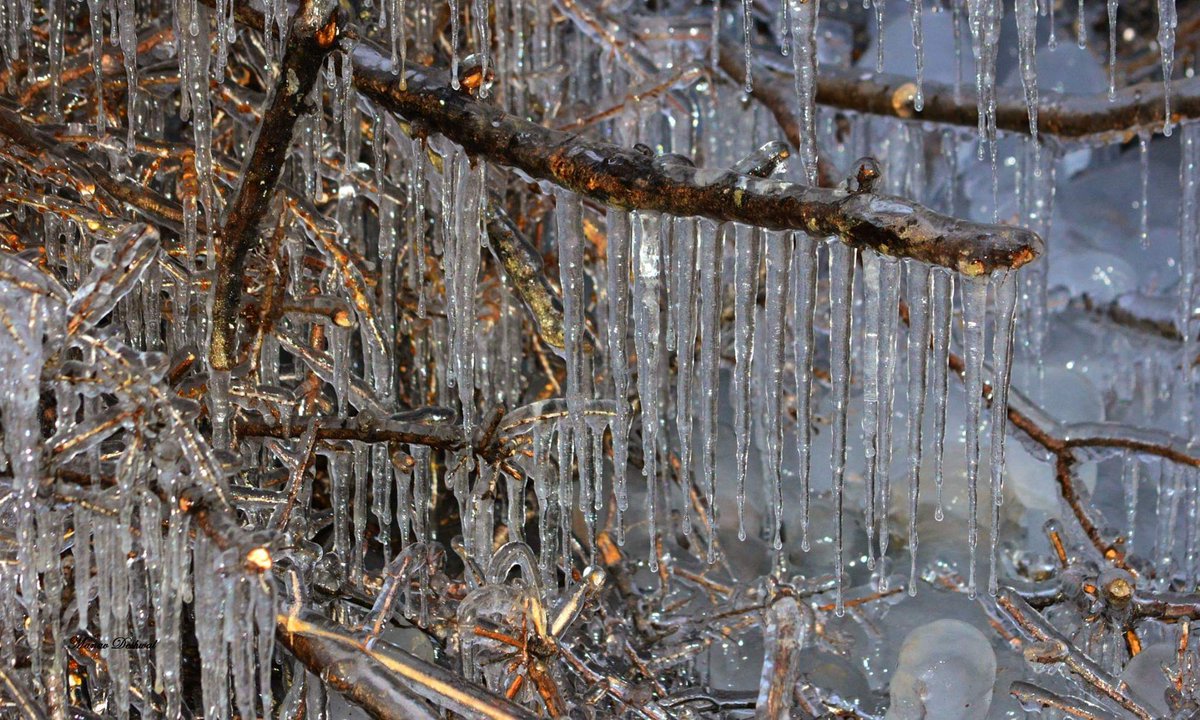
(631, 180)
(313, 33)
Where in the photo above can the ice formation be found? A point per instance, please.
(466, 400)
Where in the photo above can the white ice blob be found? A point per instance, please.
(947, 669)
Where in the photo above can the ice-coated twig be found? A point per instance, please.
(1030, 694)
(27, 704)
(313, 35)
(385, 680)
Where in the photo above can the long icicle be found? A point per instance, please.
(974, 304)
(1004, 290)
(919, 288)
(618, 353)
(711, 241)
(804, 293)
(940, 317)
(745, 304)
(774, 314)
(841, 296)
(647, 337)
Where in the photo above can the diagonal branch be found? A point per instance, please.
(313, 33)
(382, 679)
(631, 180)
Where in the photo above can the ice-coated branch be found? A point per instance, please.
(153, 206)
(1063, 651)
(1135, 109)
(1030, 694)
(442, 435)
(631, 180)
(384, 680)
(313, 35)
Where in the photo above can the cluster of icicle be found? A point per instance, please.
(87, 338)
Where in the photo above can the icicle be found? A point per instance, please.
(804, 63)
(646, 314)
(974, 303)
(878, 33)
(1144, 206)
(684, 304)
(83, 564)
(774, 314)
(1167, 21)
(984, 20)
(710, 253)
(889, 319)
(127, 37)
(1112, 50)
(618, 353)
(1005, 295)
(454, 30)
(804, 278)
(872, 297)
(841, 294)
(96, 22)
(919, 286)
(747, 51)
(1189, 230)
(940, 317)
(54, 20)
(919, 49)
(381, 493)
(1026, 11)
(483, 42)
(1081, 27)
(745, 293)
(568, 218)
(1132, 484)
